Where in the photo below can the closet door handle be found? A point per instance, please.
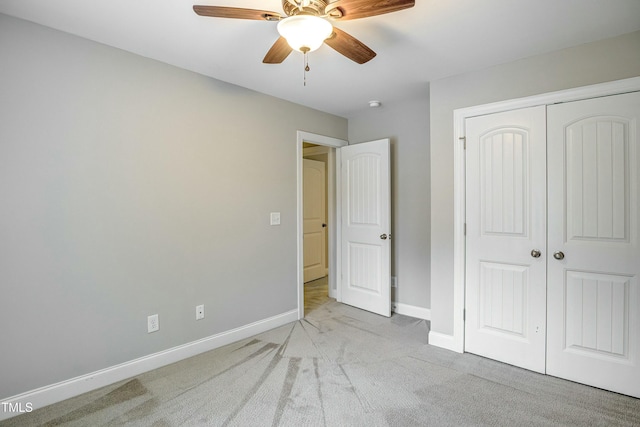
(536, 253)
(559, 255)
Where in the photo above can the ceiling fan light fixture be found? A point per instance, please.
(305, 33)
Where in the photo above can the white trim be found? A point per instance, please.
(337, 232)
(459, 210)
(455, 342)
(299, 225)
(447, 342)
(314, 138)
(53, 393)
(331, 210)
(333, 207)
(568, 95)
(412, 311)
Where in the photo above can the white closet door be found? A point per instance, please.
(506, 214)
(594, 194)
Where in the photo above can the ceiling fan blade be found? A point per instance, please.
(350, 47)
(236, 12)
(278, 52)
(355, 9)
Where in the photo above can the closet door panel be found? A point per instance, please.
(506, 213)
(593, 242)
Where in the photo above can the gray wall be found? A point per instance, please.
(130, 187)
(407, 125)
(607, 60)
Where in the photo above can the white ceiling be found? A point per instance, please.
(435, 39)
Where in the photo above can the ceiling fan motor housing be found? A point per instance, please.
(304, 7)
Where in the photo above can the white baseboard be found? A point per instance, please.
(73, 387)
(444, 341)
(412, 311)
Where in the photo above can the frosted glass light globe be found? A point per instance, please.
(305, 32)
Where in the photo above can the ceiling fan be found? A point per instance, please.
(306, 24)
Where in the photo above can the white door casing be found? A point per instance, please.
(314, 196)
(594, 203)
(366, 226)
(506, 224)
(333, 201)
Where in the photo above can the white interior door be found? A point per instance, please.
(314, 221)
(594, 194)
(506, 225)
(366, 226)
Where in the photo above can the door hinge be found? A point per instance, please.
(464, 142)
(465, 228)
(464, 314)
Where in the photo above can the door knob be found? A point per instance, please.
(558, 255)
(535, 253)
(383, 236)
(324, 225)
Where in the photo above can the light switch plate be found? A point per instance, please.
(275, 218)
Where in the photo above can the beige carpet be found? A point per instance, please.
(340, 367)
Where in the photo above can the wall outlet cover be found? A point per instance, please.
(153, 323)
(200, 312)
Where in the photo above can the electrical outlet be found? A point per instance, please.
(153, 323)
(200, 312)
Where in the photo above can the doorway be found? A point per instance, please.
(359, 247)
(314, 206)
(315, 237)
(319, 145)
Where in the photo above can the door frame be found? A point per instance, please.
(455, 342)
(333, 206)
